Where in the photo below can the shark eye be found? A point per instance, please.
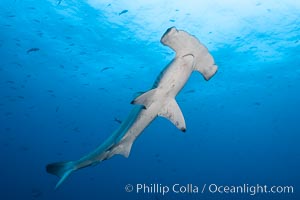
(169, 30)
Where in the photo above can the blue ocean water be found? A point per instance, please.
(69, 70)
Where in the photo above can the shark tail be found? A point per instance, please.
(61, 169)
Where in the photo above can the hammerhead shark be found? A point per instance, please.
(191, 56)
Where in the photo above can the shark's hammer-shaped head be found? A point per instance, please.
(185, 44)
(176, 40)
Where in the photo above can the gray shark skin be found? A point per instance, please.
(191, 56)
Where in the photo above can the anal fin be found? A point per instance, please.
(123, 148)
(173, 113)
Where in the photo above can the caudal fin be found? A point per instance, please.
(61, 169)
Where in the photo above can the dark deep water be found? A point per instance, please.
(69, 70)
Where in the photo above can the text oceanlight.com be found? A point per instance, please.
(207, 188)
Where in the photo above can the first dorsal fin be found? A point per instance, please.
(173, 113)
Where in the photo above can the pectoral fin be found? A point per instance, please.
(172, 112)
(146, 99)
